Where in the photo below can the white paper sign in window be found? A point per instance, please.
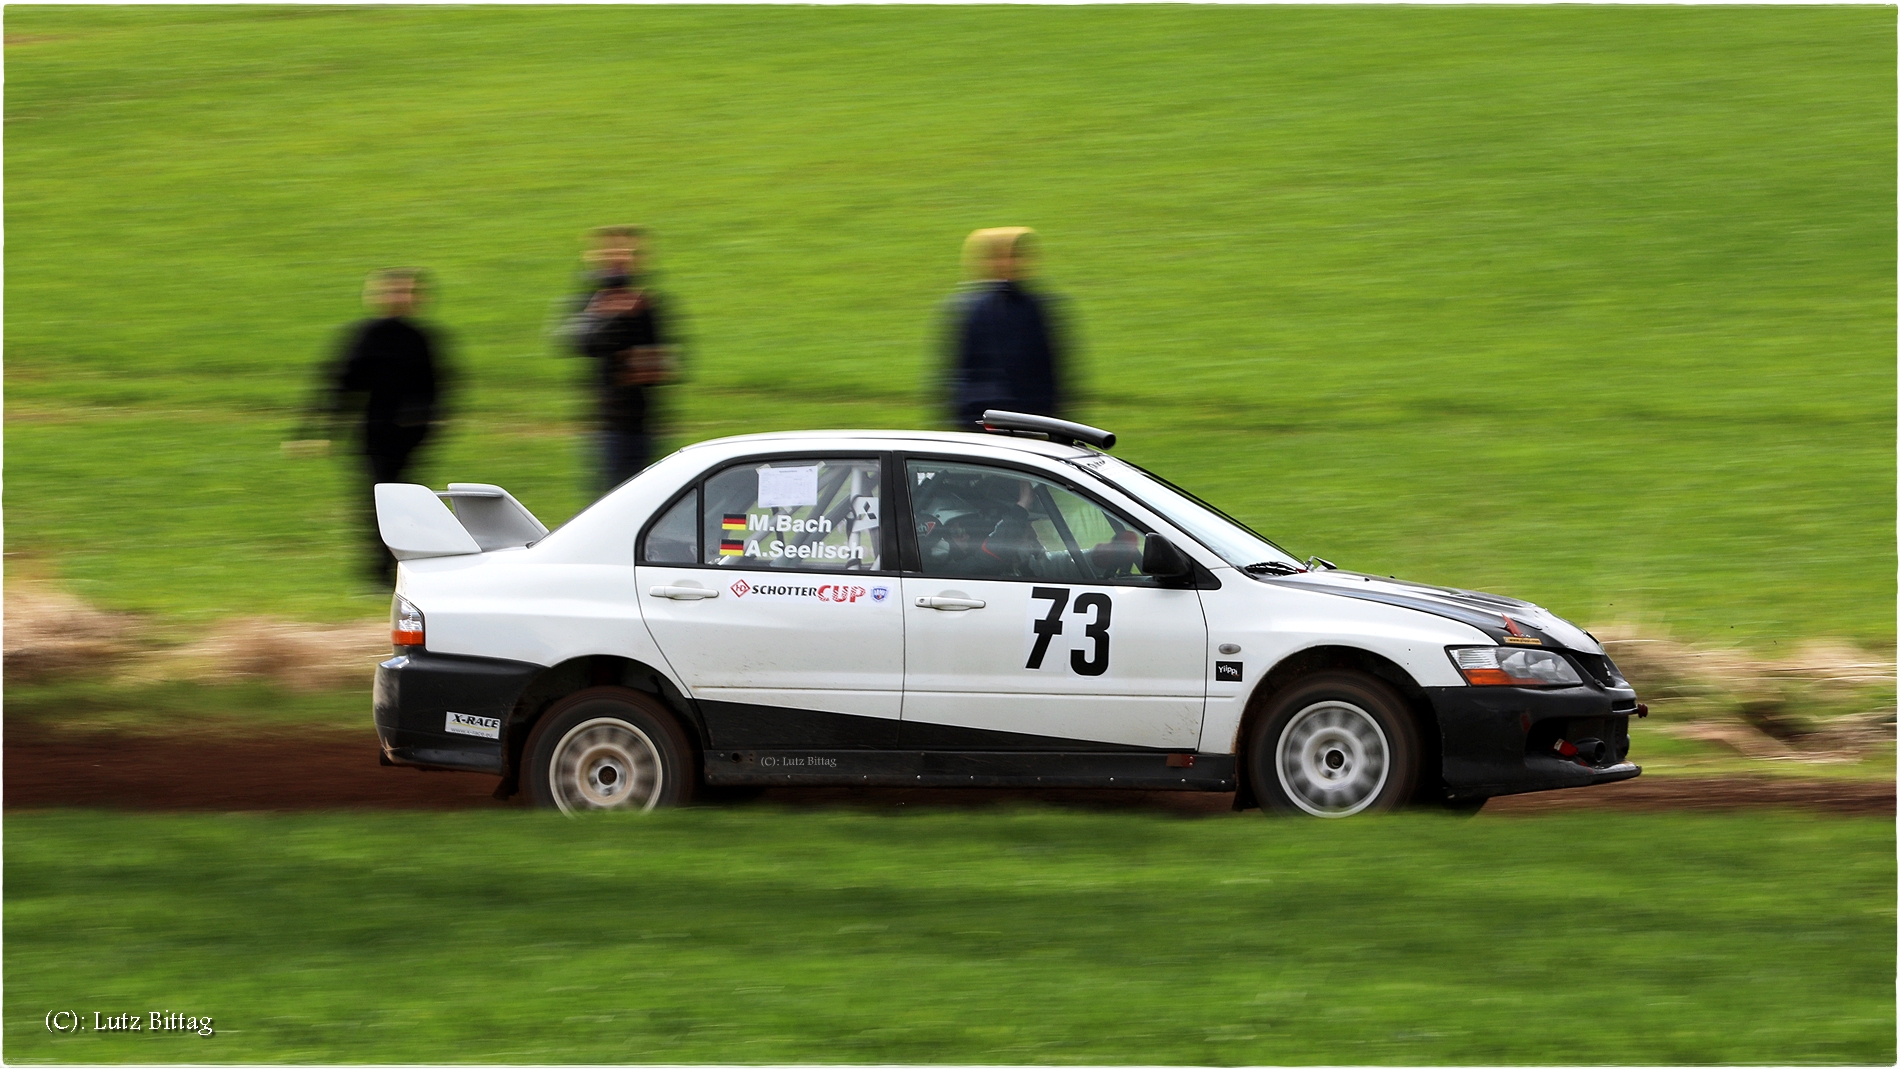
(788, 488)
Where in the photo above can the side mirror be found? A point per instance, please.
(1162, 560)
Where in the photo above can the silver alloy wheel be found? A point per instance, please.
(605, 763)
(1332, 759)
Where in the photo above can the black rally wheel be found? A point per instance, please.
(1332, 745)
(609, 749)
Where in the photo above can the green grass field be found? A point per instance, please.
(1590, 305)
(992, 937)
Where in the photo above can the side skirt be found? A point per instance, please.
(1148, 771)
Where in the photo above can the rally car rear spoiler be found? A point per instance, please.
(414, 522)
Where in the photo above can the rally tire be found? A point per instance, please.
(609, 749)
(1334, 744)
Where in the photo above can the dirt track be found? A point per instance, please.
(331, 771)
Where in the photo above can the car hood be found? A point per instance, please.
(1493, 614)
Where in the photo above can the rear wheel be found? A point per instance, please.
(609, 749)
(1333, 745)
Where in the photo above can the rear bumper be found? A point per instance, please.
(1499, 740)
(440, 711)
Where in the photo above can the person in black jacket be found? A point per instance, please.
(623, 326)
(390, 381)
(625, 341)
(1006, 339)
(614, 252)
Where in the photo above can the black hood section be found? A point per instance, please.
(1485, 612)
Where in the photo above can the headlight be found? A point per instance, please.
(1511, 666)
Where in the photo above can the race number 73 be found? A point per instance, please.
(1044, 627)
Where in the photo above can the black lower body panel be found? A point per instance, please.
(741, 726)
(1145, 770)
(1509, 740)
(775, 746)
(442, 711)
(733, 725)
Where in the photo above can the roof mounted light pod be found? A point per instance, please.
(1060, 431)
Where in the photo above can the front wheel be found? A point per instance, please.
(608, 749)
(1333, 745)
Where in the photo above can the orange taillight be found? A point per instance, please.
(405, 623)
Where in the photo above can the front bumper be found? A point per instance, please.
(436, 710)
(1499, 740)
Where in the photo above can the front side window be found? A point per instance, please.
(975, 521)
(811, 514)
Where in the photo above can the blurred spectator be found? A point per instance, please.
(613, 252)
(390, 381)
(1005, 339)
(618, 323)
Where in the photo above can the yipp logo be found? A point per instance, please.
(739, 589)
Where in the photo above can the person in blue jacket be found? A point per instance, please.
(1005, 337)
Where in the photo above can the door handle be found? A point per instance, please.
(950, 604)
(683, 593)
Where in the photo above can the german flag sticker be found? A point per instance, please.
(734, 522)
(731, 547)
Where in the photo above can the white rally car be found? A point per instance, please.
(1012, 608)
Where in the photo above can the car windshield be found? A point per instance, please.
(1230, 539)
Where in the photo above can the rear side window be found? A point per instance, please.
(813, 514)
(672, 538)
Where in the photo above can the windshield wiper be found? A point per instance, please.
(1273, 567)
